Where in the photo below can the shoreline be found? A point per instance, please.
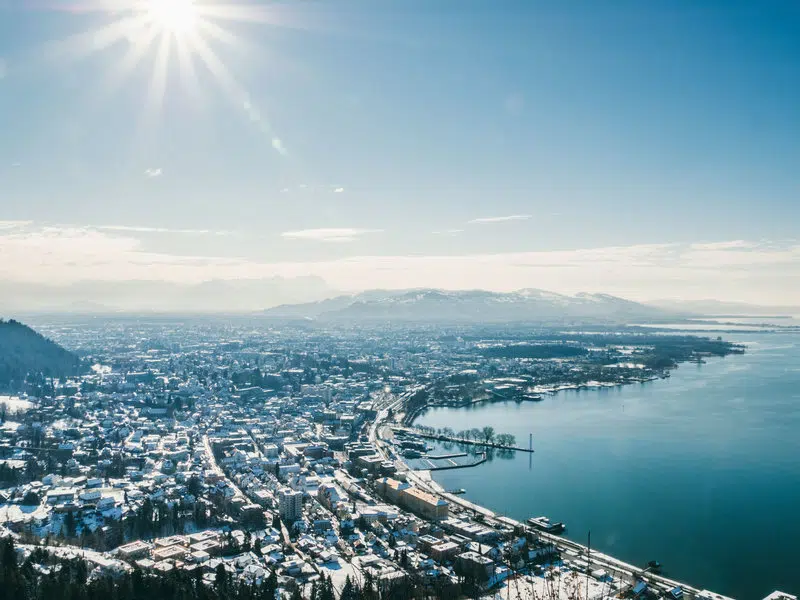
(573, 550)
(544, 390)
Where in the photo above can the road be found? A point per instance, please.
(217, 469)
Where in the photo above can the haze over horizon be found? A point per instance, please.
(645, 150)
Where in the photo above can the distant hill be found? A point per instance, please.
(108, 297)
(25, 352)
(470, 306)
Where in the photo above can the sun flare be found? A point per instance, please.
(174, 16)
(184, 34)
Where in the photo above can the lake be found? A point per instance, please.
(700, 471)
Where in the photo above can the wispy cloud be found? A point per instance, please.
(153, 173)
(135, 229)
(343, 234)
(308, 188)
(14, 224)
(731, 245)
(277, 144)
(767, 273)
(447, 232)
(502, 219)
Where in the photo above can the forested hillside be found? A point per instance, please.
(26, 354)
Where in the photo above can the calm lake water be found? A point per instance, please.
(700, 471)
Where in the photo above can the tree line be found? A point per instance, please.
(44, 576)
(485, 435)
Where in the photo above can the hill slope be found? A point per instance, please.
(23, 351)
(470, 306)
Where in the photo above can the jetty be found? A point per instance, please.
(444, 456)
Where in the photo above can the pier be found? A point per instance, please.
(444, 456)
(480, 461)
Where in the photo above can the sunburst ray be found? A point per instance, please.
(162, 28)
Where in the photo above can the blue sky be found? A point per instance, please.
(650, 149)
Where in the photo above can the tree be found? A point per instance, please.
(349, 591)
(194, 486)
(488, 434)
(69, 525)
(8, 555)
(221, 577)
(506, 439)
(270, 585)
(31, 499)
(325, 590)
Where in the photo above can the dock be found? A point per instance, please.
(444, 456)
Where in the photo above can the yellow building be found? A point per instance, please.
(424, 504)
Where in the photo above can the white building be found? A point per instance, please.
(290, 505)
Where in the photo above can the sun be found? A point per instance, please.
(189, 31)
(173, 16)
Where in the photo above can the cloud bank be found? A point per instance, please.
(484, 220)
(738, 270)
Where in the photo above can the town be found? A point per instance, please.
(287, 457)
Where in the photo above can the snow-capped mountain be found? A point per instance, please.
(470, 306)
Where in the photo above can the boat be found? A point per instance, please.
(457, 491)
(532, 397)
(654, 565)
(544, 524)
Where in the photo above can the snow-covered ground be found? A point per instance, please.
(15, 404)
(339, 571)
(558, 585)
(15, 512)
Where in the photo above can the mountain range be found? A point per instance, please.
(470, 306)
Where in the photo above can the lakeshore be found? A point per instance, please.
(703, 458)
